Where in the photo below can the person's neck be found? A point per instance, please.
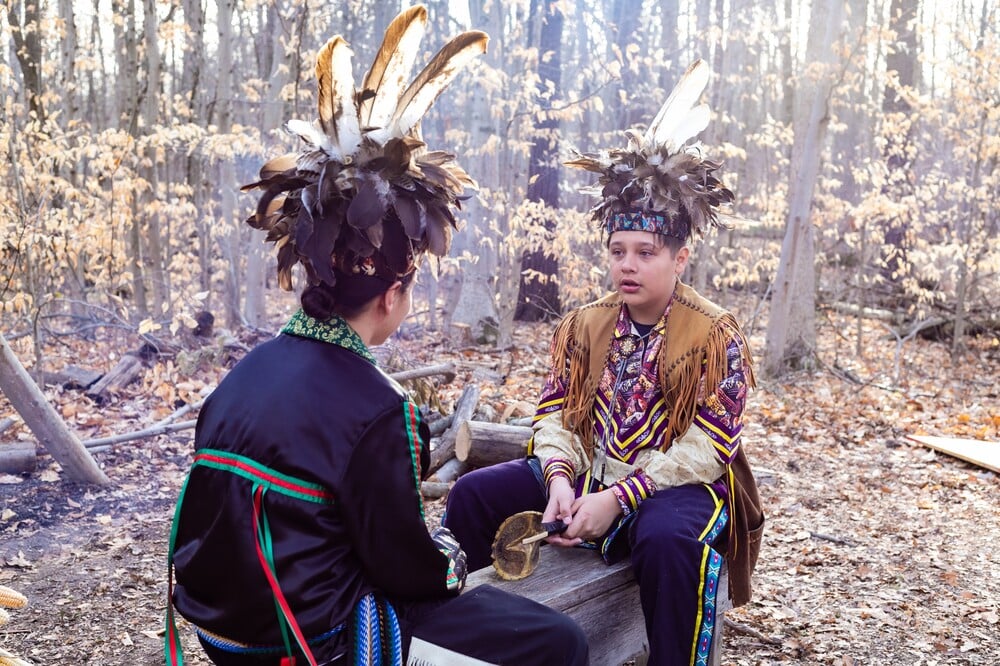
(365, 328)
(650, 315)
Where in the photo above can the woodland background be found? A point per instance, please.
(861, 138)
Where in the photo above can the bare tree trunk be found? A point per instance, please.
(272, 58)
(29, 401)
(901, 64)
(26, 30)
(966, 223)
(791, 329)
(538, 298)
(155, 274)
(473, 304)
(231, 239)
(67, 55)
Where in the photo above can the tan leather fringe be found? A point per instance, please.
(577, 412)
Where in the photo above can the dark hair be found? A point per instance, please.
(672, 242)
(349, 296)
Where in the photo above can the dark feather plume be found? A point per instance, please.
(660, 170)
(363, 163)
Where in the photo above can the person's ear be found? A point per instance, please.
(681, 258)
(390, 295)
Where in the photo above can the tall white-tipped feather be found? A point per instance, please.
(434, 78)
(673, 114)
(313, 135)
(338, 117)
(391, 68)
(690, 126)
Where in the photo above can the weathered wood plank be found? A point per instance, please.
(602, 599)
(978, 452)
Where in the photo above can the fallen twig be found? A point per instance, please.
(104, 442)
(446, 369)
(834, 539)
(191, 406)
(750, 631)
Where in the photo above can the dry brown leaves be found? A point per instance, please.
(877, 550)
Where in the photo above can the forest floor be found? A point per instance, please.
(877, 550)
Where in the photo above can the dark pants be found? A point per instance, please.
(484, 623)
(670, 538)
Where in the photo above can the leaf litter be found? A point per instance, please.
(876, 550)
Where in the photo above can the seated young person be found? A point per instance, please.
(636, 443)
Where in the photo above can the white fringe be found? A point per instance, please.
(423, 653)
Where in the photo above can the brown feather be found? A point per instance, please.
(387, 76)
(435, 77)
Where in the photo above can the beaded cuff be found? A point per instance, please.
(557, 467)
(633, 489)
(620, 496)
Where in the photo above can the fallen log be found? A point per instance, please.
(450, 471)
(438, 426)
(5, 423)
(72, 377)
(126, 371)
(866, 313)
(44, 422)
(465, 407)
(434, 490)
(446, 369)
(481, 443)
(17, 457)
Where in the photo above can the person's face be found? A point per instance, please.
(644, 271)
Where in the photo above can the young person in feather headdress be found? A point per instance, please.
(299, 536)
(636, 443)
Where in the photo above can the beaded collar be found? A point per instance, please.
(334, 330)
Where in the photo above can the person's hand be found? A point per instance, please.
(593, 515)
(560, 507)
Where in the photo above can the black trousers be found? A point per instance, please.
(483, 623)
(671, 540)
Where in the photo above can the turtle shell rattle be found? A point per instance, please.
(517, 542)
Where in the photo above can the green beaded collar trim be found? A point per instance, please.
(334, 330)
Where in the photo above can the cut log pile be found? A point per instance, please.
(468, 444)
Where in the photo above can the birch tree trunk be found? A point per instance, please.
(50, 430)
(791, 328)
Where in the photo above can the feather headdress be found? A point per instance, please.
(660, 177)
(365, 195)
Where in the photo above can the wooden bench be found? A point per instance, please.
(604, 601)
